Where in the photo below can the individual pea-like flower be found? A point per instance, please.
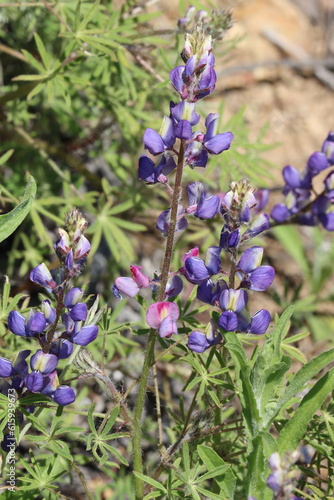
(30, 326)
(257, 324)
(130, 286)
(214, 143)
(196, 270)
(328, 148)
(163, 221)
(164, 141)
(231, 302)
(41, 275)
(151, 173)
(77, 334)
(198, 341)
(163, 316)
(48, 311)
(199, 205)
(209, 292)
(77, 310)
(253, 275)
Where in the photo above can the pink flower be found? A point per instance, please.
(163, 316)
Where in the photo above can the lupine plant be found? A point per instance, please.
(246, 423)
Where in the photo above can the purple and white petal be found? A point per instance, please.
(16, 323)
(36, 323)
(41, 275)
(6, 367)
(328, 148)
(82, 248)
(48, 311)
(259, 322)
(317, 162)
(167, 327)
(86, 335)
(79, 312)
(128, 286)
(44, 363)
(250, 259)
(34, 381)
(262, 278)
(158, 311)
(233, 300)
(73, 296)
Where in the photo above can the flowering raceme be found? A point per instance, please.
(54, 329)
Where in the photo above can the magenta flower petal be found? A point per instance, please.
(158, 311)
(64, 395)
(127, 286)
(86, 335)
(16, 323)
(139, 277)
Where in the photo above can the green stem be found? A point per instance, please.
(149, 355)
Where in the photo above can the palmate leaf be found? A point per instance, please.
(9, 222)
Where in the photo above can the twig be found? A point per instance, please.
(157, 401)
(49, 7)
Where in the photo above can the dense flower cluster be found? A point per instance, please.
(239, 208)
(299, 205)
(55, 329)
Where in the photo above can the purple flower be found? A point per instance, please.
(82, 248)
(228, 321)
(184, 111)
(199, 205)
(34, 381)
(26, 327)
(48, 311)
(163, 221)
(199, 341)
(44, 363)
(229, 239)
(125, 285)
(322, 210)
(84, 336)
(152, 174)
(209, 292)
(64, 395)
(260, 224)
(42, 276)
(77, 310)
(317, 162)
(257, 324)
(215, 143)
(233, 300)
(6, 367)
(254, 276)
(158, 143)
(174, 286)
(328, 148)
(61, 348)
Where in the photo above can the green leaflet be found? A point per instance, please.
(293, 432)
(9, 222)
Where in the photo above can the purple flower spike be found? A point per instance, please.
(259, 322)
(64, 395)
(6, 367)
(233, 300)
(86, 335)
(34, 381)
(127, 286)
(42, 276)
(44, 363)
(228, 321)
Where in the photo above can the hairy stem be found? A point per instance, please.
(149, 355)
